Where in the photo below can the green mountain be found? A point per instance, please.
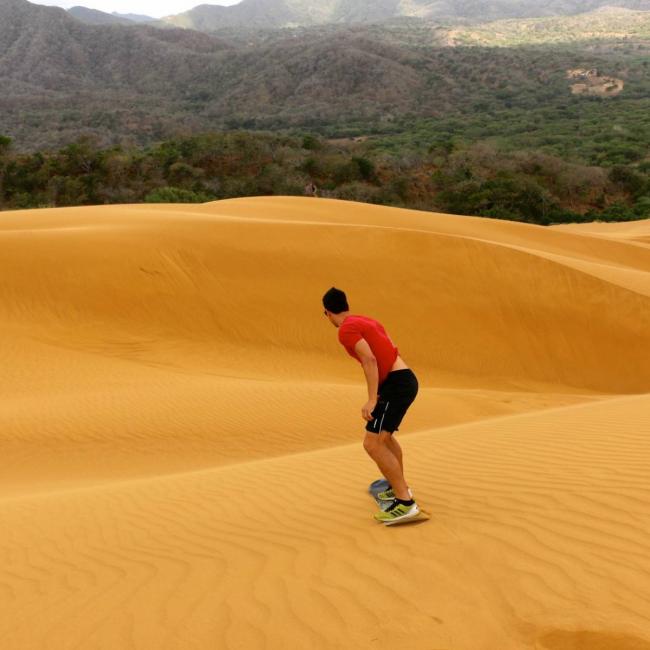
(60, 76)
(45, 48)
(137, 84)
(293, 13)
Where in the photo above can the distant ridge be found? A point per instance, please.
(136, 18)
(294, 13)
(95, 17)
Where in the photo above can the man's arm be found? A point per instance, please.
(369, 363)
(371, 371)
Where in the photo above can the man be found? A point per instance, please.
(311, 189)
(392, 387)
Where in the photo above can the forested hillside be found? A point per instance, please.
(606, 24)
(138, 85)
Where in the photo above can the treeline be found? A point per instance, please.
(473, 179)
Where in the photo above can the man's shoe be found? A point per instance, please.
(389, 495)
(397, 513)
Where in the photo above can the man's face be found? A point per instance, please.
(328, 314)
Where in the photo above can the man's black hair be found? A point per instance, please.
(335, 301)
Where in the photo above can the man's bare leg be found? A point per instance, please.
(380, 450)
(393, 445)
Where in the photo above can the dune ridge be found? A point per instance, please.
(180, 430)
(158, 279)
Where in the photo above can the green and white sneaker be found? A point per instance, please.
(389, 495)
(397, 513)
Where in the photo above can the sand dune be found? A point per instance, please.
(635, 232)
(539, 540)
(181, 464)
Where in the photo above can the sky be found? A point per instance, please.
(153, 8)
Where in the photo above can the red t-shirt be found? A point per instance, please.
(354, 328)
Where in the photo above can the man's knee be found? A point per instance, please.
(370, 442)
(373, 442)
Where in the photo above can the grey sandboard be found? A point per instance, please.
(380, 485)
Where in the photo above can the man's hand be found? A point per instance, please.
(368, 408)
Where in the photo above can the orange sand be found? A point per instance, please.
(181, 464)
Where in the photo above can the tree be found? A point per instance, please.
(366, 168)
(311, 142)
(628, 179)
(642, 207)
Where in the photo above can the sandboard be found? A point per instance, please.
(381, 485)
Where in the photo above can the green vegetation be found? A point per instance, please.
(260, 13)
(176, 195)
(607, 24)
(447, 176)
(139, 86)
(590, 131)
(538, 188)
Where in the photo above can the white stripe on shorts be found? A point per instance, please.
(382, 417)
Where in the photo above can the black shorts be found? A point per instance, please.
(396, 394)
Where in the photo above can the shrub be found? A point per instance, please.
(176, 195)
(311, 142)
(642, 207)
(628, 179)
(618, 212)
(356, 191)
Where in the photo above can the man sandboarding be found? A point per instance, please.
(392, 387)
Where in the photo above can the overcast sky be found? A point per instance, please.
(153, 8)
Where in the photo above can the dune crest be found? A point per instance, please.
(232, 274)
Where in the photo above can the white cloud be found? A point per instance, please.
(152, 8)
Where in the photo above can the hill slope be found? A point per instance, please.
(138, 84)
(608, 23)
